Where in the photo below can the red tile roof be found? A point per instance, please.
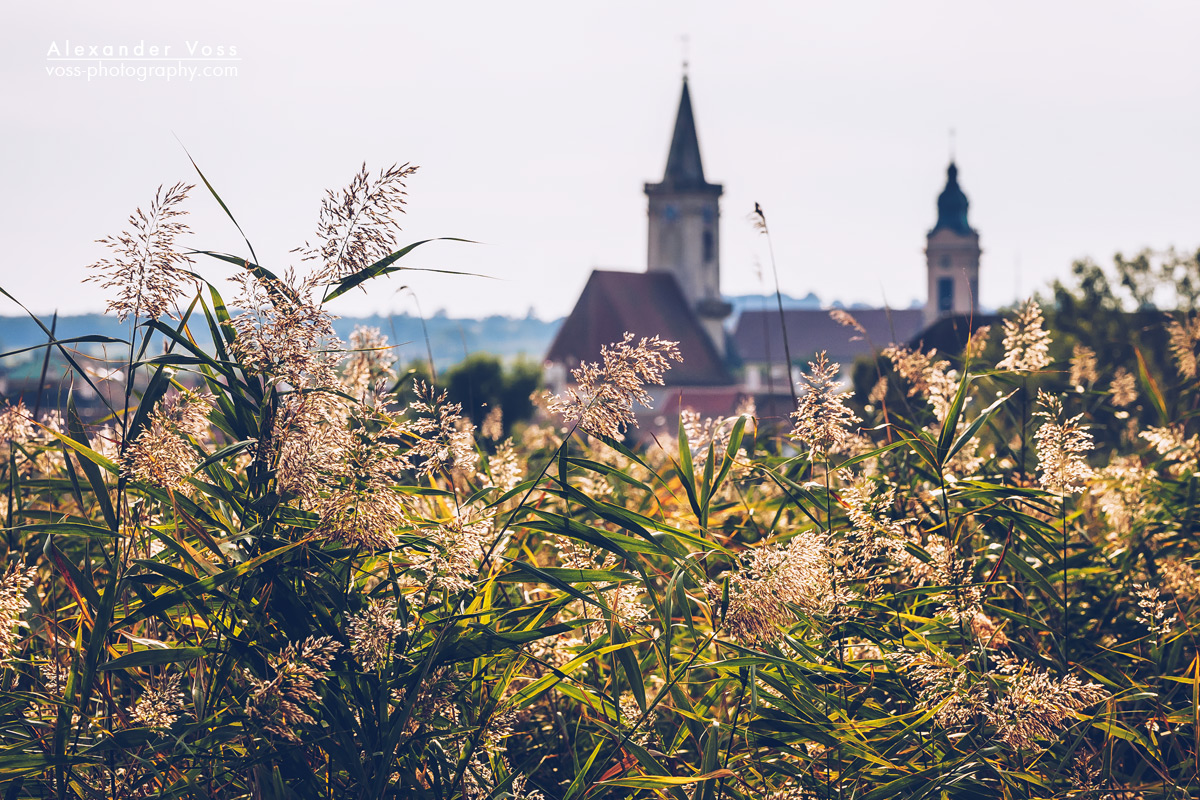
(645, 304)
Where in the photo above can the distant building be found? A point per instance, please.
(952, 305)
(43, 382)
(684, 213)
(952, 256)
(758, 338)
(678, 298)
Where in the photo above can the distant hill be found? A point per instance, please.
(450, 338)
(757, 302)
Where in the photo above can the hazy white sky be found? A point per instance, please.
(536, 124)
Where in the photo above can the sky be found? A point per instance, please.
(536, 124)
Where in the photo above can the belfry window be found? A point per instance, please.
(708, 245)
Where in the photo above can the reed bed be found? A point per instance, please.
(264, 576)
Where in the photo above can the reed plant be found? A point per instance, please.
(262, 575)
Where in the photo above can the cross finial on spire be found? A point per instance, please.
(684, 40)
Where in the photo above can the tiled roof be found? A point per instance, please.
(645, 304)
(758, 337)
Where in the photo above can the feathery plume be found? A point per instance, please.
(357, 226)
(1182, 338)
(627, 610)
(1035, 706)
(372, 633)
(14, 585)
(493, 424)
(1180, 579)
(878, 391)
(773, 579)
(1122, 491)
(1123, 388)
(847, 320)
(1152, 611)
(443, 439)
(284, 334)
(704, 431)
(977, 343)
(161, 454)
(1061, 448)
(945, 686)
(16, 426)
(926, 375)
(146, 270)
(872, 532)
(160, 705)
(358, 499)
(1083, 366)
(822, 419)
(1026, 342)
(277, 703)
(1169, 442)
(433, 703)
(630, 713)
(601, 401)
(306, 444)
(369, 361)
(457, 546)
(504, 468)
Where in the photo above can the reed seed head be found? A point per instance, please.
(147, 270)
(357, 226)
(601, 401)
(1062, 445)
(14, 586)
(1026, 342)
(822, 420)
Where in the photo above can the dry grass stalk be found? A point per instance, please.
(147, 271)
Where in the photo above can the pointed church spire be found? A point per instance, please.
(952, 206)
(684, 230)
(684, 168)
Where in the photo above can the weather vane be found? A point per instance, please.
(684, 40)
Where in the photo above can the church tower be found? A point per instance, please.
(684, 231)
(952, 256)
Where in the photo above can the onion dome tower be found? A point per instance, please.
(952, 256)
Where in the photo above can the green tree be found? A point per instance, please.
(481, 383)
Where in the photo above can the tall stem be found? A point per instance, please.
(1024, 423)
(1066, 631)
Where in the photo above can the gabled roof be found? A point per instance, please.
(685, 171)
(758, 336)
(645, 304)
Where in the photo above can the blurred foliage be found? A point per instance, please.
(481, 383)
